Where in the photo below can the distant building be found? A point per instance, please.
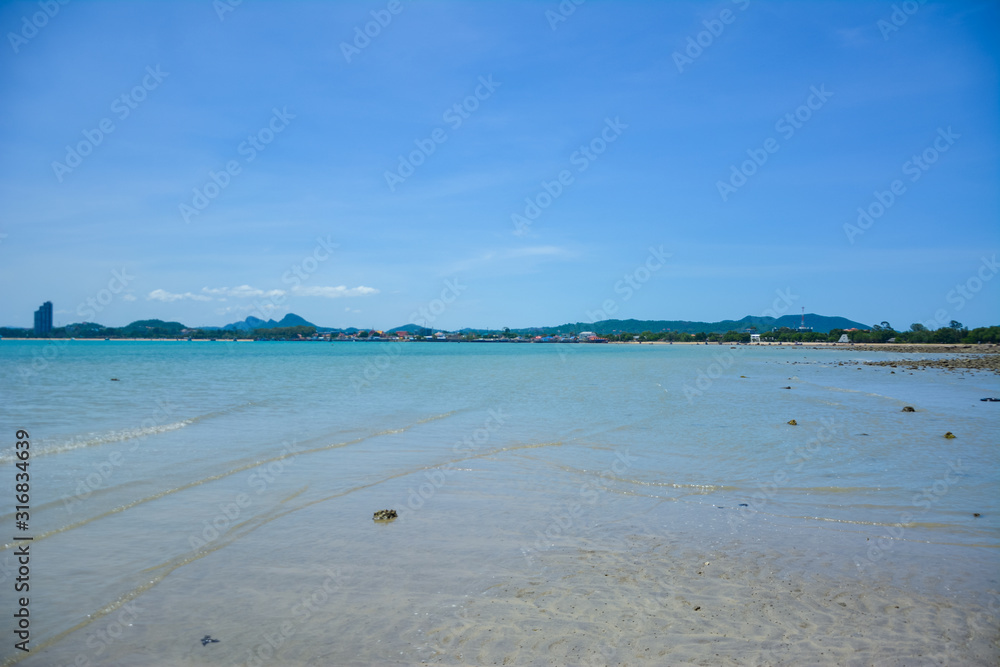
(43, 319)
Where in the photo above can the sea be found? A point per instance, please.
(211, 503)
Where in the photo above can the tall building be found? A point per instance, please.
(43, 319)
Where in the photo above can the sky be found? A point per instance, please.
(496, 164)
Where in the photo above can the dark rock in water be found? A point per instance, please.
(384, 515)
(990, 400)
(976, 514)
(116, 380)
(792, 422)
(786, 387)
(908, 409)
(949, 435)
(744, 505)
(207, 639)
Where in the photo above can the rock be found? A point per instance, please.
(949, 435)
(116, 380)
(786, 387)
(908, 409)
(385, 515)
(990, 400)
(207, 639)
(792, 422)
(976, 514)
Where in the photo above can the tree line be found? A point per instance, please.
(954, 333)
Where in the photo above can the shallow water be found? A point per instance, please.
(557, 503)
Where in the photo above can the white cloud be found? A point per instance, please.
(167, 297)
(248, 292)
(243, 291)
(334, 292)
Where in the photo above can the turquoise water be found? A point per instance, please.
(227, 488)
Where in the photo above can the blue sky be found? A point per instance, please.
(695, 161)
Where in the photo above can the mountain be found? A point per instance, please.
(415, 328)
(819, 323)
(152, 328)
(251, 323)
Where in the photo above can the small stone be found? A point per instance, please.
(976, 514)
(384, 515)
(697, 608)
(908, 409)
(792, 422)
(949, 435)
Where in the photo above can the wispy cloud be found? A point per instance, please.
(168, 297)
(248, 292)
(243, 291)
(334, 292)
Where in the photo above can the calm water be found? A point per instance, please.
(227, 489)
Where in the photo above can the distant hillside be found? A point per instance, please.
(819, 323)
(251, 323)
(151, 327)
(158, 328)
(412, 328)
